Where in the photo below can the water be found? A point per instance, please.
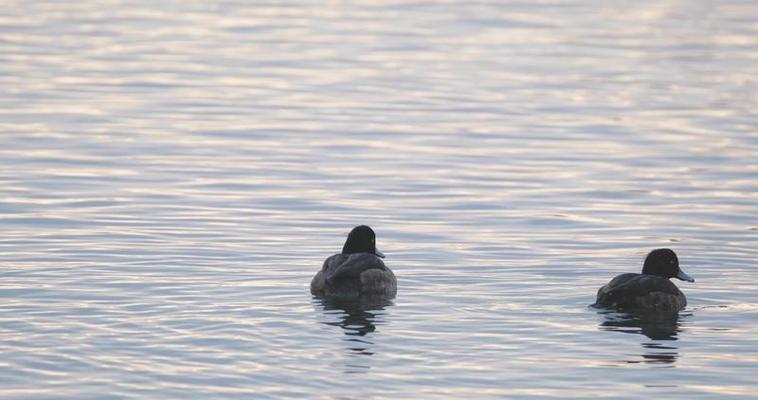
(172, 175)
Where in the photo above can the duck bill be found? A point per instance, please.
(378, 253)
(681, 275)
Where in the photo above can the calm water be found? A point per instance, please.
(171, 177)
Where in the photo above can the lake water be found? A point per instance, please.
(172, 174)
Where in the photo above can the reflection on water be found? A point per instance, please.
(658, 326)
(658, 354)
(358, 318)
(172, 174)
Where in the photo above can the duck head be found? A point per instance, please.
(361, 240)
(663, 262)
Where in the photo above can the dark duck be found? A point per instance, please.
(358, 270)
(649, 291)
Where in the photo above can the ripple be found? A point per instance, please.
(172, 175)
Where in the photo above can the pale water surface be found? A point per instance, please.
(173, 173)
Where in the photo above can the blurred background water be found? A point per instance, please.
(172, 174)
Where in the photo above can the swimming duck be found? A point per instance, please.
(649, 291)
(358, 270)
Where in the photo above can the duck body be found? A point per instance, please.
(354, 274)
(357, 271)
(649, 291)
(641, 292)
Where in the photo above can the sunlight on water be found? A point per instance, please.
(172, 175)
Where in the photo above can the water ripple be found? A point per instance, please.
(171, 176)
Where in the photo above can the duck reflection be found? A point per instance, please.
(662, 327)
(358, 318)
(656, 326)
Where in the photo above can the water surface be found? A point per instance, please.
(173, 174)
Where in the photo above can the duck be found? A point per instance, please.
(649, 291)
(357, 271)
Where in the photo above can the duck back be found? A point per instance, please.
(641, 292)
(353, 275)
